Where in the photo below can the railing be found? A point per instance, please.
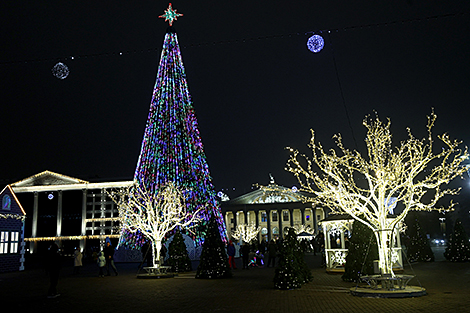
(387, 281)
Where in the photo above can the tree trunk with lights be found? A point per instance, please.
(410, 175)
(385, 251)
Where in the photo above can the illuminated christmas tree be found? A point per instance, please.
(419, 247)
(292, 271)
(458, 247)
(172, 149)
(178, 257)
(214, 260)
(362, 253)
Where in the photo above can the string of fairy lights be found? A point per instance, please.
(63, 71)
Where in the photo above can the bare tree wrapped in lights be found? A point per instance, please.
(154, 215)
(410, 174)
(246, 232)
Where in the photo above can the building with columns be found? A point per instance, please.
(67, 210)
(273, 209)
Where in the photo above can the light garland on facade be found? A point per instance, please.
(299, 229)
(274, 193)
(103, 219)
(13, 216)
(388, 173)
(59, 238)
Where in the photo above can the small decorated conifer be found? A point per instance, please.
(214, 261)
(292, 270)
(178, 257)
(362, 252)
(419, 247)
(458, 248)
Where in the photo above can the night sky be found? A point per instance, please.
(255, 87)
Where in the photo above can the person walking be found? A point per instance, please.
(245, 249)
(231, 255)
(109, 255)
(77, 261)
(101, 261)
(53, 265)
(272, 251)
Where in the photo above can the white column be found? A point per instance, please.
(34, 231)
(59, 214)
(83, 233)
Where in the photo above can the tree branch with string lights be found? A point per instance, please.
(410, 174)
(154, 215)
(246, 232)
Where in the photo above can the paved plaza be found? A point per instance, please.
(447, 285)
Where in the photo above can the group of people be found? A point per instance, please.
(253, 255)
(53, 263)
(106, 259)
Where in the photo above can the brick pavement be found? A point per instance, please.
(447, 284)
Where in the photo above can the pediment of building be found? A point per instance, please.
(48, 178)
(271, 193)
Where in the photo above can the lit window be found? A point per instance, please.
(14, 241)
(6, 202)
(285, 216)
(264, 217)
(9, 240)
(274, 215)
(307, 217)
(3, 242)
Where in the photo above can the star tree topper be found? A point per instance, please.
(170, 15)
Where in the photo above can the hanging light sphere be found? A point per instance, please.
(315, 43)
(60, 70)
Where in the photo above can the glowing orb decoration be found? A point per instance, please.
(315, 43)
(50, 196)
(60, 70)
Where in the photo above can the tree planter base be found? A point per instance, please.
(157, 272)
(155, 276)
(407, 292)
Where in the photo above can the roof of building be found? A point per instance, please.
(50, 181)
(272, 193)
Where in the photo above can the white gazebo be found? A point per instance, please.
(337, 230)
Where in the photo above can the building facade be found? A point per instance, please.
(273, 209)
(12, 218)
(67, 210)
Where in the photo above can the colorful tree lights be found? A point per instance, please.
(411, 173)
(172, 149)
